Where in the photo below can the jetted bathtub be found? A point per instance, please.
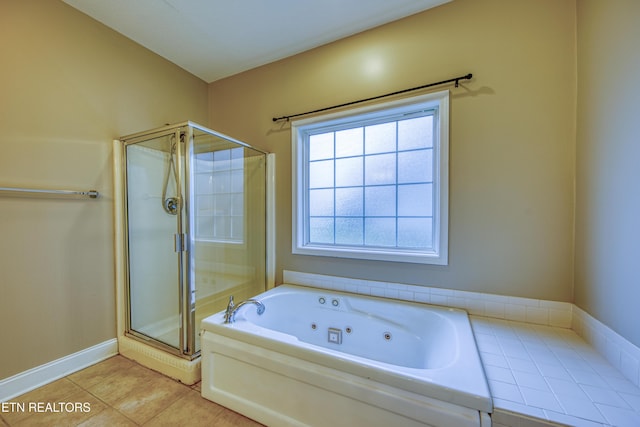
(325, 358)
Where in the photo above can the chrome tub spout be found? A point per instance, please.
(232, 309)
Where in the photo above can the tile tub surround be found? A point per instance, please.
(550, 313)
(597, 341)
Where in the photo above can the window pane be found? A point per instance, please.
(321, 146)
(204, 205)
(349, 231)
(415, 133)
(237, 181)
(204, 184)
(380, 169)
(380, 231)
(349, 202)
(237, 225)
(237, 204)
(221, 182)
(222, 204)
(380, 138)
(321, 174)
(349, 142)
(415, 200)
(203, 162)
(380, 201)
(221, 160)
(204, 227)
(221, 227)
(349, 172)
(415, 166)
(321, 202)
(415, 233)
(321, 230)
(237, 158)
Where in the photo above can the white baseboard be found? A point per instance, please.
(49, 372)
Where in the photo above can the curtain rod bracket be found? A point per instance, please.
(456, 80)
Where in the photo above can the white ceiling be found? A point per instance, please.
(213, 39)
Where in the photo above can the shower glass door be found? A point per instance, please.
(195, 218)
(227, 222)
(154, 224)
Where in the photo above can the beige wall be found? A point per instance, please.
(68, 86)
(608, 164)
(512, 135)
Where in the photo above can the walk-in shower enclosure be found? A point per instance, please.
(193, 219)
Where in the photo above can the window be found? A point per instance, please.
(372, 183)
(219, 191)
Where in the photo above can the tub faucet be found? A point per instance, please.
(230, 312)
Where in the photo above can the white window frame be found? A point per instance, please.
(439, 254)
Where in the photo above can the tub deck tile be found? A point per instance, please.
(545, 376)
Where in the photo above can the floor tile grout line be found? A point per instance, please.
(107, 405)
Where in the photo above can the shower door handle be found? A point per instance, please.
(179, 242)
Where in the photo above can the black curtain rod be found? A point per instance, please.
(455, 79)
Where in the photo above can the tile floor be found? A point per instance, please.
(552, 376)
(538, 376)
(118, 392)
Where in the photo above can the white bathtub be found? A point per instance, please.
(318, 357)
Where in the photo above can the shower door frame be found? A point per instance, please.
(184, 233)
(180, 241)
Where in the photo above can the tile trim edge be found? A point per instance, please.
(619, 352)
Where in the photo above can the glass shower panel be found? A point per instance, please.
(154, 266)
(227, 231)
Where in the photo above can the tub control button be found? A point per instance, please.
(335, 335)
(321, 300)
(335, 302)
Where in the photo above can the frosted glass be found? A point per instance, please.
(380, 138)
(380, 232)
(349, 172)
(221, 227)
(237, 158)
(415, 200)
(203, 162)
(221, 182)
(237, 181)
(415, 133)
(349, 231)
(204, 205)
(222, 204)
(415, 166)
(321, 230)
(204, 184)
(204, 227)
(321, 146)
(321, 202)
(416, 233)
(380, 169)
(237, 225)
(380, 201)
(349, 142)
(321, 174)
(237, 204)
(349, 202)
(221, 160)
